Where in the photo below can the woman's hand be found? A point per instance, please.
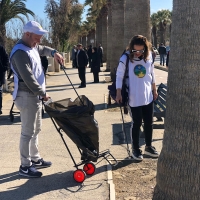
(118, 96)
(155, 95)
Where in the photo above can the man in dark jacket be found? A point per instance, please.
(100, 54)
(81, 63)
(89, 53)
(162, 51)
(4, 61)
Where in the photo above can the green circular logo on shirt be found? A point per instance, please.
(140, 71)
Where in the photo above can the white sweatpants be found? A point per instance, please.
(31, 120)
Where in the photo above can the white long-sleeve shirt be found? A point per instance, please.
(139, 81)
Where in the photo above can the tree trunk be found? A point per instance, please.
(178, 165)
(117, 34)
(93, 38)
(104, 14)
(109, 36)
(161, 28)
(137, 19)
(88, 38)
(2, 35)
(100, 31)
(84, 42)
(97, 32)
(154, 32)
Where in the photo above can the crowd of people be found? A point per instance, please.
(28, 60)
(82, 57)
(28, 63)
(164, 54)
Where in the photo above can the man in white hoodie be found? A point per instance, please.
(29, 84)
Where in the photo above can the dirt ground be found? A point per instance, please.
(135, 180)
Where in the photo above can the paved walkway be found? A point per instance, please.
(57, 181)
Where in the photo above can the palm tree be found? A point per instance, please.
(8, 10)
(104, 32)
(137, 19)
(154, 24)
(178, 166)
(96, 10)
(163, 19)
(65, 17)
(117, 34)
(109, 36)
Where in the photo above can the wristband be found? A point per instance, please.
(53, 52)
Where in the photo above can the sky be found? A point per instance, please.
(38, 8)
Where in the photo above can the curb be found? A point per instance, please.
(110, 182)
(110, 178)
(161, 68)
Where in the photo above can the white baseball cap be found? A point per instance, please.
(34, 27)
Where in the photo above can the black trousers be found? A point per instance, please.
(138, 114)
(96, 77)
(81, 73)
(74, 63)
(1, 94)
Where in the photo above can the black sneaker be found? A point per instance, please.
(1, 112)
(41, 163)
(29, 172)
(137, 154)
(151, 151)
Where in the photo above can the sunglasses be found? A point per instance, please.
(137, 51)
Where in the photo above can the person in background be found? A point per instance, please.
(73, 58)
(95, 65)
(167, 49)
(81, 64)
(162, 52)
(29, 89)
(4, 62)
(167, 60)
(140, 83)
(100, 54)
(89, 53)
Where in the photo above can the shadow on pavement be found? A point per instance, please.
(5, 120)
(124, 163)
(63, 182)
(100, 106)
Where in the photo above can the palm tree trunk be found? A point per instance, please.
(97, 31)
(154, 32)
(2, 35)
(161, 29)
(104, 13)
(88, 38)
(84, 43)
(178, 165)
(137, 19)
(93, 37)
(100, 31)
(109, 36)
(117, 34)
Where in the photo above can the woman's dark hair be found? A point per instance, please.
(95, 49)
(141, 41)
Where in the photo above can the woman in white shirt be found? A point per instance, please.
(141, 83)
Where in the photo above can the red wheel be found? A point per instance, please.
(79, 175)
(89, 168)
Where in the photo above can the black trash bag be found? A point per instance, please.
(77, 121)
